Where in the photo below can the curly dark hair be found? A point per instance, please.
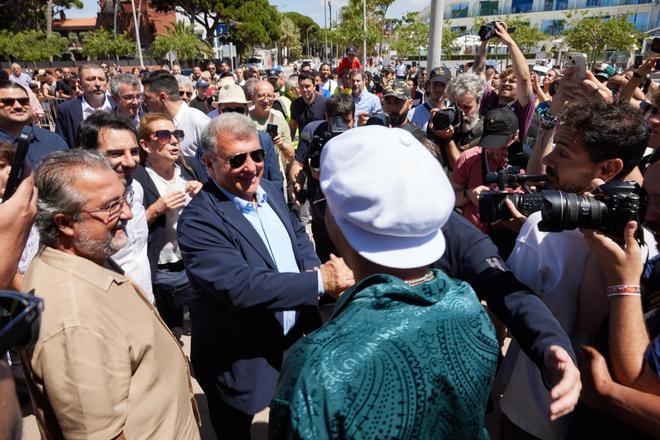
(608, 131)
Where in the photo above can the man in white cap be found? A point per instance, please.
(409, 352)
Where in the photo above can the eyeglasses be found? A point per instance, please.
(240, 110)
(132, 97)
(183, 93)
(166, 135)
(9, 102)
(237, 160)
(113, 208)
(20, 315)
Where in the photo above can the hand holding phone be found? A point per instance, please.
(271, 129)
(579, 60)
(18, 165)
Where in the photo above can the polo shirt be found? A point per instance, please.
(192, 122)
(105, 362)
(43, 143)
(304, 113)
(23, 79)
(367, 102)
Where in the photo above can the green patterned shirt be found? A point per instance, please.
(393, 362)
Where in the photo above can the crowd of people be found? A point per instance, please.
(352, 248)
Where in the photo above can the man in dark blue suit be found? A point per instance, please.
(15, 115)
(253, 269)
(72, 112)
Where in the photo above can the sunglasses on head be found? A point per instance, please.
(19, 319)
(239, 159)
(9, 102)
(166, 135)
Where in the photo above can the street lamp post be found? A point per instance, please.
(137, 35)
(364, 34)
(307, 37)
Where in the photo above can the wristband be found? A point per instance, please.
(623, 290)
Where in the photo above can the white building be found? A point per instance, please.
(548, 15)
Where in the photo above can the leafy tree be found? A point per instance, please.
(181, 39)
(350, 24)
(595, 34)
(32, 45)
(102, 44)
(290, 37)
(19, 15)
(250, 22)
(257, 22)
(304, 24)
(411, 34)
(380, 9)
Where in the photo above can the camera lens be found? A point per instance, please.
(563, 211)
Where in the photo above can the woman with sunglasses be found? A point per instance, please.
(169, 184)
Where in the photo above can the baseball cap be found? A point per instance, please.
(440, 74)
(272, 73)
(351, 49)
(499, 125)
(231, 93)
(379, 212)
(397, 88)
(201, 83)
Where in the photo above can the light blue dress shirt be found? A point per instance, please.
(274, 236)
(366, 102)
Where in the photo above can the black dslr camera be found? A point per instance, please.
(612, 206)
(379, 118)
(442, 119)
(492, 205)
(487, 31)
(318, 141)
(20, 316)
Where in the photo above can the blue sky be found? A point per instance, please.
(312, 8)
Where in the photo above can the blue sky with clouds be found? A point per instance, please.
(312, 8)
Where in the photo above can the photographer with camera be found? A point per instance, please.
(434, 96)
(459, 128)
(500, 131)
(515, 85)
(339, 111)
(628, 392)
(593, 140)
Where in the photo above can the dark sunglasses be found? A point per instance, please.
(240, 110)
(181, 93)
(20, 316)
(166, 135)
(9, 102)
(239, 159)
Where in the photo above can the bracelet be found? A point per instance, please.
(623, 290)
(610, 295)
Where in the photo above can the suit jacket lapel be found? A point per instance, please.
(234, 218)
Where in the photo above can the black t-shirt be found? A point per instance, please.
(303, 113)
(202, 105)
(64, 86)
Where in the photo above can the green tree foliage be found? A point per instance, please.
(20, 15)
(32, 45)
(290, 37)
(304, 24)
(411, 34)
(350, 25)
(250, 22)
(182, 40)
(257, 22)
(595, 34)
(101, 44)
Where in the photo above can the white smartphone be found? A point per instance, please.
(579, 60)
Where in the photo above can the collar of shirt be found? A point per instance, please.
(243, 205)
(88, 109)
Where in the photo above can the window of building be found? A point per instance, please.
(552, 27)
(555, 5)
(601, 3)
(458, 10)
(488, 7)
(460, 29)
(641, 21)
(521, 6)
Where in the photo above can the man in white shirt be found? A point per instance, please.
(593, 140)
(327, 83)
(161, 94)
(72, 112)
(112, 137)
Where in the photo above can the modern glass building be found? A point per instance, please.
(547, 15)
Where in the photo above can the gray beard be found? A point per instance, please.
(468, 124)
